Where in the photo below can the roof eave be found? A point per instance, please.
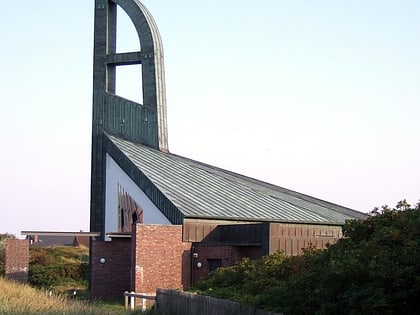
(258, 220)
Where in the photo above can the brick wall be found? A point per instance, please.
(17, 260)
(229, 255)
(109, 279)
(162, 259)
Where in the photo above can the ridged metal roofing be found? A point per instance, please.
(199, 190)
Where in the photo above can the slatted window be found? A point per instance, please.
(129, 212)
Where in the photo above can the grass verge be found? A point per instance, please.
(17, 298)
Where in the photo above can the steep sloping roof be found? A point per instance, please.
(198, 190)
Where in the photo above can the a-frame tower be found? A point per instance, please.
(140, 123)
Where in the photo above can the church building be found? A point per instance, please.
(165, 220)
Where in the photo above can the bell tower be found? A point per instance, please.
(141, 123)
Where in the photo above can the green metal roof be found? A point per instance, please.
(198, 190)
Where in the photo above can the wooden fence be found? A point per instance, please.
(181, 303)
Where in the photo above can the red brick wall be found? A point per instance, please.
(162, 259)
(109, 280)
(17, 260)
(229, 255)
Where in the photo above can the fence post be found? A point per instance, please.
(126, 300)
(143, 305)
(132, 300)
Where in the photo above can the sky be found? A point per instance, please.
(321, 97)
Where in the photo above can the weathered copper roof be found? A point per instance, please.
(198, 190)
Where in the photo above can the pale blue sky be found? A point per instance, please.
(321, 97)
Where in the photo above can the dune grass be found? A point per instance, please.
(22, 299)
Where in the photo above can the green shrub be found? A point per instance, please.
(58, 266)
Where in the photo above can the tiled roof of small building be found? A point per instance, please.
(198, 190)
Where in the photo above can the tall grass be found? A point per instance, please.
(22, 299)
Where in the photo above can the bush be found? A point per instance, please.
(58, 266)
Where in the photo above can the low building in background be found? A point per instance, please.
(58, 238)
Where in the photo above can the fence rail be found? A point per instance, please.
(132, 295)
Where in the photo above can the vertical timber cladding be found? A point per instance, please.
(289, 238)
(206, 230)
(141, 123)
(292, 238)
